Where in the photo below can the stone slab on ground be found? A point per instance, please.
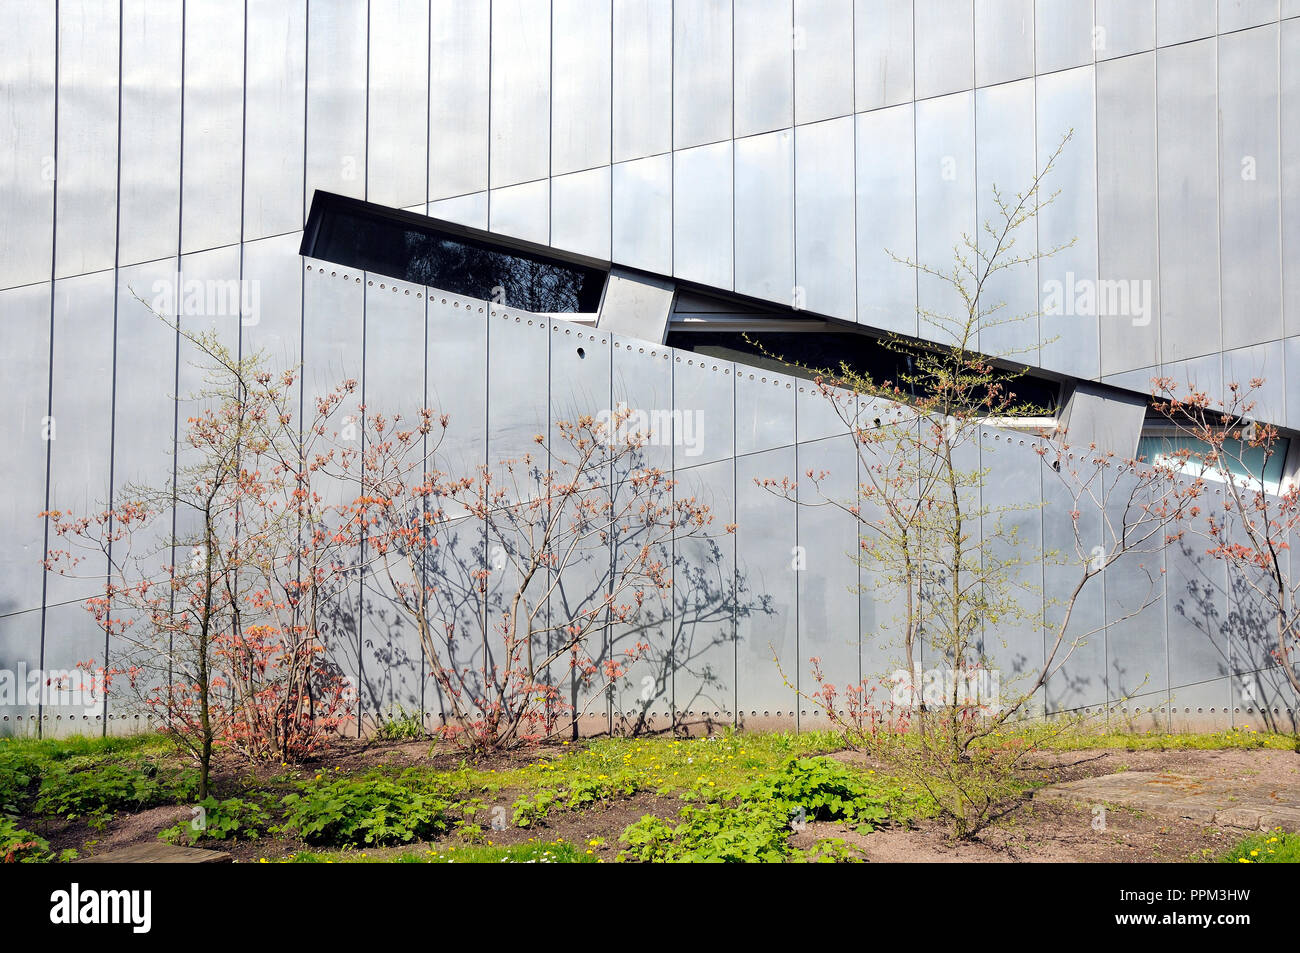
(1243, 802)
(158, 853)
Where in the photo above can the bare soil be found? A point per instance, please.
(1033, 831)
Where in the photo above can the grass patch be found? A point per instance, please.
(1278, 847)
(1232, 738)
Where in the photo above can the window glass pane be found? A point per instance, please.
(423, 254)
(1244, 460)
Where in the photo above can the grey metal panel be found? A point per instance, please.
(1242, 14)
(643, 78)
(1004, 40)
(336, 97)
(1248, 187)
(25, 362)
(392, 660)
(764, 67)
(580, 212)
(518, 380)
(1124, 27)
(81, 371)
(579, 373)
(86, 211)
(580, 108)
(765, 216)
(274, 132)
(886, 219)
(704, 403)
(1137, 638)
(149, 196)
(580, 381)
(459, 34)
(144, 410)
(209, 298)
(642, 379)
(333, 352)
(702, 223)
(828, 581)
(1081, 678)
(1198, 373)
(1111, 422)
(471, 210)
(1289, 142)
(1012, 529)
(1262, 362)
(882, 50)
(1063, 34)
(701, 72)
(823, 59)
(1178, 21)
(1291, 357)
(24, 357)
(817, 416)
(1188, 170)
(767, 629)
(1289, 8)
(458, 379)
(273, 274)
(643, 214)
(1127, 205)
(764, 410)
(1005, 161)
(705, 587)
(523, 211)
(397, 168)
(521, 91)
(213, 124)
(945, 199)
(945, 59)
(636, 305)
(1199, 606)
(1066, 101)
(27, 54)
(824, 195)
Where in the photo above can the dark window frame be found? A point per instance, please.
(588, 276)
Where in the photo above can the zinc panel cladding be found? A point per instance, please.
(177, 131)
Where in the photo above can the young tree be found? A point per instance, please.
(1215, 444)
(959, 563)
(571, 535)
(217, 579)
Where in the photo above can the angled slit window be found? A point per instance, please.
(448, 257)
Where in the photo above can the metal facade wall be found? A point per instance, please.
(760, 147)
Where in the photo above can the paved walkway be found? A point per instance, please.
(1247, 803)
(158, 853)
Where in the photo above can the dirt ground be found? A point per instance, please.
(1029, 830)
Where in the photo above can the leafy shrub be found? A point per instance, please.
(711, 833)
(402, 726)
(18, 846)
(581, 793)
(753, 822)
(97, 790)
(369, 811)
(820, 789)
(220, 820)
(19, 770)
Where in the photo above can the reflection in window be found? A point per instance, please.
(791, 352)
(376, 240)
(1243, 460)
